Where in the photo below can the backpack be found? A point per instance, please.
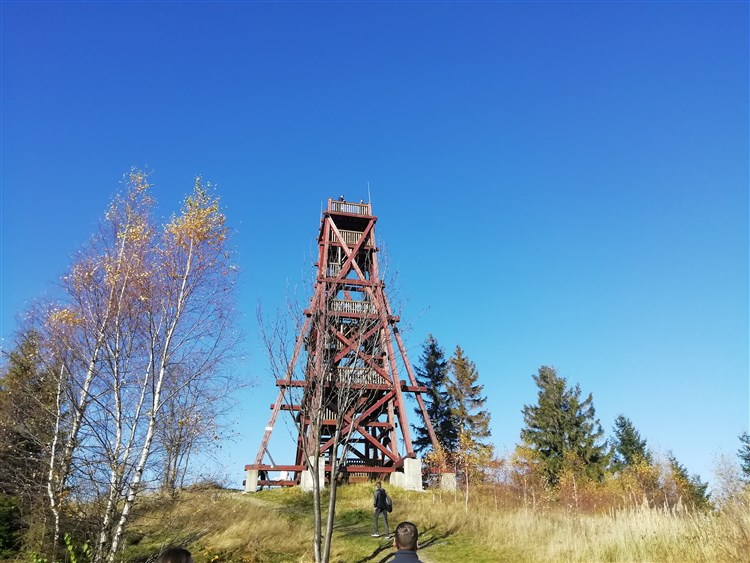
(388, 503)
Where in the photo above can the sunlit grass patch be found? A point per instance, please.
(276, 525)
(220, 528)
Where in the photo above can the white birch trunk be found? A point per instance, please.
(80, 406)
(153, 414)
(51, 490)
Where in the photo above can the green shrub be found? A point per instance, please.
(11, 527)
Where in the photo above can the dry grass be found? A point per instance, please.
(639, 534)
(275, 526)
(218, 526)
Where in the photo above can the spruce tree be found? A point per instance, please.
(744, 455)
(690, 488)
(466, 403)
(26, 394)
(628, 447)
(563, 430)
(26, 428)
(432, 373)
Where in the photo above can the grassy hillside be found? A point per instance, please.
(275, 526)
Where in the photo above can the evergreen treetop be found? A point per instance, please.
(691, 489)
(432, 373)
(563, 430)
(744, 454)
(628, 447)
(26, 393)
(466, 401)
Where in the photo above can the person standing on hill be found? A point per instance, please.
(175, 555)
(380, 504)
(405, 542)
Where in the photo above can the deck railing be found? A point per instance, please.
(357, 307)
(337, 206)
(350, 237)
(359, 376)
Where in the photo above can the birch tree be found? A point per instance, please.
(147, 322)
(92, 323)
(188, 319)
(472, 459)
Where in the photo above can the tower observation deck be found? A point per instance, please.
(342, 385)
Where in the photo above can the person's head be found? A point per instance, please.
(406, 536)
(175, 555)
(378, 485)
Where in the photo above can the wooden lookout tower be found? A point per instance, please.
(342, 383)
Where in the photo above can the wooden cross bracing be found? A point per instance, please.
(344, 366)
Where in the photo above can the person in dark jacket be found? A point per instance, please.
(405, 542)
(380, 506)
(175, 555)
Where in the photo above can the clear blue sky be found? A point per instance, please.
(556, 183)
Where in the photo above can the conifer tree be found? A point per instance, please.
(25, 431)
(690, 488)
(562, 430)
(466, 403)
(25, 422)
(432, 372)
(744, 454)
(628, 447)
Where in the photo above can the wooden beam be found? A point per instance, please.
(265, 467)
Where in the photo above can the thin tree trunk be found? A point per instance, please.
(185, 463)
(115, 474)
(318, 525)
(466, 491)
(78, 411)
(155, 407)
(114, 485)
(116, 481)
(80, 407)
(134, 485)
(332, 496)
(317, 485)
(141, 465)
(51, 489)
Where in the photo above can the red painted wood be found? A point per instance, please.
(348, 295)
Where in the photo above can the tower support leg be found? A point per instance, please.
(413, 474)
(251, 480)
(397, 480)
(306, 479)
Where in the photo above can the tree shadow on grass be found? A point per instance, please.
(380, 549)
(427, 538)
(430, 537)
